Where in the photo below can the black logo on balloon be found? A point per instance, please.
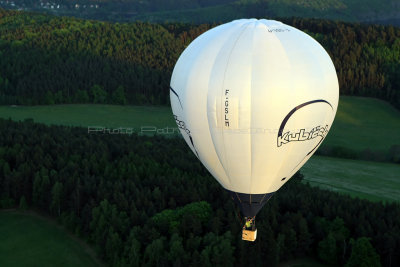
(182, 125)
(302, 134)
(175, 93)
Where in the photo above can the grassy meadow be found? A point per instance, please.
(361, 123)
(30, 240)
(375, 181)
(85, 115)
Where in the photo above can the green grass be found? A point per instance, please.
(112, 116)
(374, 181)
(363, 123)
(30, 240)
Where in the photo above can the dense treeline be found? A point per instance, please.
(48, 59)
(152, 5)
(148, 201)
(209, 11)
(137, 6)
(111, 10)
(367, 58)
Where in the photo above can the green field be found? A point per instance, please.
(374, 181)
(112, 116)
(361, 123)
(27, 239)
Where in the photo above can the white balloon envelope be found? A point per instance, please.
(253, 100)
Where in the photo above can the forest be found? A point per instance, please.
(53, 60)
(136, 5)
(210, 11)
(147, 201)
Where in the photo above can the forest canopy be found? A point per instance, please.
(143, 200)
(210, 11)
(47, 59)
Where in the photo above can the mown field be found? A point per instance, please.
(137, 118)
(30, 240)
(374, 181)
(361, 123)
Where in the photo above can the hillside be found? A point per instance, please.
(67, 60)
(385, 12)
(143, 200)
(363, 124)
(208, 11)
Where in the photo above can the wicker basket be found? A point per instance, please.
(249, 235)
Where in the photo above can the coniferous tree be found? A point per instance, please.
(363, 254)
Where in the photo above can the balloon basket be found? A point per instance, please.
(249, 235)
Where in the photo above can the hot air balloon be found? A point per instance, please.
(254, 99)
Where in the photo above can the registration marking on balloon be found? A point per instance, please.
(226, 108)
(278, 30)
